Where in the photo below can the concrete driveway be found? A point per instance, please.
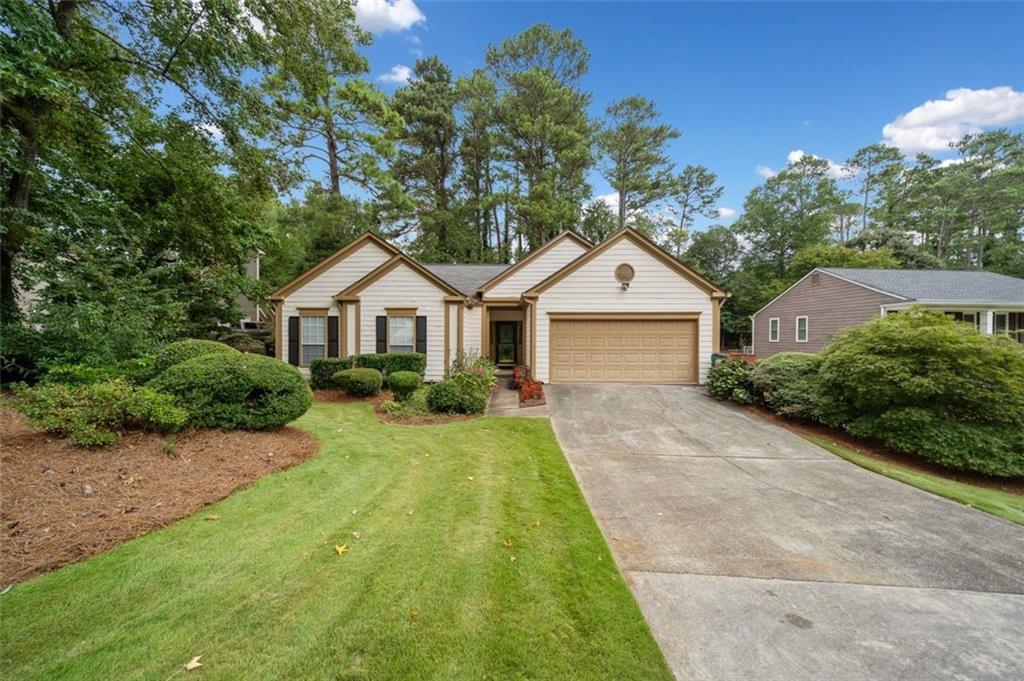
(756, 555)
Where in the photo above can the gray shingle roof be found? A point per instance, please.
(467, 278)
(939, 285)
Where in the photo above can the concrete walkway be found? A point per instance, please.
(505, 402)
(756, 555)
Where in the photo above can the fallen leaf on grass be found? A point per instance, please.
(414, 614)
(513, 559)
(356, 535)
(194, 663)
(355, 510)
(410, 512)
(470, 478)
(213, 517)
(508, 543)
(341, 549)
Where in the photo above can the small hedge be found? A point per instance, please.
(133, 371)
(322, 370)
(93, 414)
(391, 362)
(237, 390)
(184, 350)
(359, 382)
(730, 380)
(403, 384)
(466, 392)
(787, 384)
(243, 342)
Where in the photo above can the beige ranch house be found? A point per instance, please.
(620, 311)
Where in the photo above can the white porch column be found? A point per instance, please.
(988, 322)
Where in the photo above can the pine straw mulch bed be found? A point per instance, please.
(385, 396)
(877, 451)
(61, 504)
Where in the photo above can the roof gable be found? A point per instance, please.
(330, 261)
(535, 255)
(393, 263)
(628, 233)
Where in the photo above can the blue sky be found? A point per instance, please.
(748, 84)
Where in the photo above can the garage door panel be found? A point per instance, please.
(649, 351)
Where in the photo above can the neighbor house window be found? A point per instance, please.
(401, 333)
(1001, 319)
(313, 336)
(801, 329)
(773, 330)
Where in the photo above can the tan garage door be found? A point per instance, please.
(624, 350)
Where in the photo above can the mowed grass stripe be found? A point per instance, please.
(261, 593)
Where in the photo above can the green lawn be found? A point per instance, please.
(430, 590)
(1002, 504)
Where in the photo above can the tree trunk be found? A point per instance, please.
(622, 208)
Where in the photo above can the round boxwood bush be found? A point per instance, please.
(787, 383)
(730, 380)
(403, 383)
(924, 384)
(359, 382)
(237, 390)
(461, 394)
(181, 351)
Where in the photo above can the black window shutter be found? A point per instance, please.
(332, 336)
(421, 335)
(382, 334)
(293, 340)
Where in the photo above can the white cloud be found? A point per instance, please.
(414, 39)
(726, 213)
(611, 200)
(399, 73)
(381, 16)
(836, 171)
(932, 126)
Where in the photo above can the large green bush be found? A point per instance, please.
(184, 350)
(237, 390)
(243, 342)
(787, 384)
(134, 371)
(730, 380)
(93, 414)
(403, 383)
(359, 382)
(922, 383)
(390, 362)
(322, 370)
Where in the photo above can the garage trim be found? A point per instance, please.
(624, 316)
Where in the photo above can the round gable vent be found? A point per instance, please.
(624, 273)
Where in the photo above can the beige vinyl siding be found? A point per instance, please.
(829, 303)
(533, 273)
(406, 288)
(320, 291)
(593, 288)
(471, 329)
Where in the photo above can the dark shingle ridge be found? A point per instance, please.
(965, 286)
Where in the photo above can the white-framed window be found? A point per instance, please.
(1001, 321)
(401, 333)
(313, 337)
(801, 329)
(773, 330)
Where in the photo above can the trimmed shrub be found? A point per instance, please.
(403, 384)
(322, 370)
(93, 414)
(359, 382)
(181, 351)
(243, 342)
(237, 390)
(391, 362)
(464, 393)
(413, 406)
(730, 381)
(787, 384)
(922, 383)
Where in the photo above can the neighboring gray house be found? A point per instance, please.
(808, 314)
